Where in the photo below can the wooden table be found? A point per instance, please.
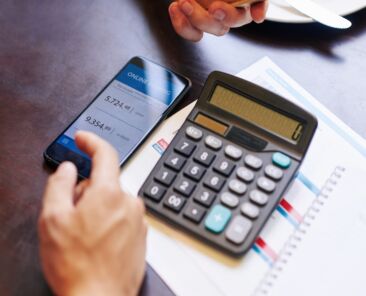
(56, 55)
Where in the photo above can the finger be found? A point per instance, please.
(229, 15)
(79, 190)
(182, 25)
(59, 191)
(105, 163)
(258, 11)
(201, 19)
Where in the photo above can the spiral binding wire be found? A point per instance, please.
(296, 237)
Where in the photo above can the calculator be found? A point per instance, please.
(230, 163)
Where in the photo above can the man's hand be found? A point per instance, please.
(192, 18)
(92, 235)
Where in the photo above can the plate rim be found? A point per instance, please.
(306, 19)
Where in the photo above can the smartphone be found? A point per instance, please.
(124, 113)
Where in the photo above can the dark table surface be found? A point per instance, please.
(56, 55)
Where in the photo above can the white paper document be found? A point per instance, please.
(326, 255)
(190, 267)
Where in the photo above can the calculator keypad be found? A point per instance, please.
(216, 189)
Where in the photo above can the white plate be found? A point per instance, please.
(280, 11)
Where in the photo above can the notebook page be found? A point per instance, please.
(326, 255)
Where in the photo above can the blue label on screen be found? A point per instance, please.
(71, 145)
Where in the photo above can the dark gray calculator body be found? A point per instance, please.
(230, 163)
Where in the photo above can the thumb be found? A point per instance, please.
(60, 188)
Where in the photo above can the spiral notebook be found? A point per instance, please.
(326, 254)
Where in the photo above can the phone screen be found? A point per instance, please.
(126, 110)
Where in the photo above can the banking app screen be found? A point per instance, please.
(127, 109)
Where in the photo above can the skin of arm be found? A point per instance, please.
(92, 234)
(192, 18)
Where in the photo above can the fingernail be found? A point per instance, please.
(187, 8)
(66, 168)
(172, 11)
(219, 15)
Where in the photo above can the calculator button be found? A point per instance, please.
(204, 197)
(253, 162)
(204, 157)
(237, 187)
(194, 213)
(155, 192)
(217, 219)
(258, 197)
(175, 162)
(249, 210)
(174, 202)
(185, 187)
(195, 172)
(233, 152)
(224, 167)
(214, 182)
(194, 133)
(165, 176)
(213, 142)
(238, 230)
(185, 147)
(245, 174)
(266, 184)
(273, 172)
(281, 160)
(229, 200)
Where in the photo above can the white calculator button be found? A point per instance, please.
(229, 200)
(237, 187)
(245, 174)
(258, 197)
(249, 210)
(194, 133)
(213, 142)
(273, 172)
(253, 162)
(238, 229)
(266, 184)
(233, 152)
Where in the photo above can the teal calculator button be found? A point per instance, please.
(217, 219)
(281, 160)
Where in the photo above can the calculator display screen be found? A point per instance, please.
(257, 113)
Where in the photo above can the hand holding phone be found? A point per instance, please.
(123, 113)
(95, 245)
